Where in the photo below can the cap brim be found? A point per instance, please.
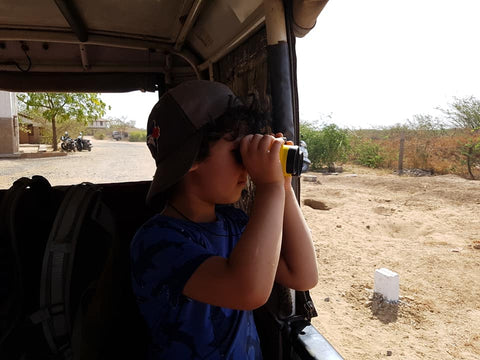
(171, 170)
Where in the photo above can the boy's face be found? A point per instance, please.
(220, 178)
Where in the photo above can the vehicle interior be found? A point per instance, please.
(66, 288)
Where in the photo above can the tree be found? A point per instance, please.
(471, 151)
(426, 123)
(121, 124)
(464, 112)
(60, 107)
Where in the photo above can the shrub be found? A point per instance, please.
(471, 151)
(334, 146)
(326, 145)
(137, 136)
(99, 135)
(311, 135)
(367, 153)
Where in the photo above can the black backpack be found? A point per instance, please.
(53, 251)
(27, 213)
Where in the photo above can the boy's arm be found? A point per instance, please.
(244, 280)
(297, 268)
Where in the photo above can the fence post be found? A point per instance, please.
(400, 153)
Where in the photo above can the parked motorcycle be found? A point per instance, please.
(68, 144)
(83, 144)
(306, 160)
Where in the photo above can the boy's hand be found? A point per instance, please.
(261, 158)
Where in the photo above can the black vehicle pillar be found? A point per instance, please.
(281, 62)
(278, 63)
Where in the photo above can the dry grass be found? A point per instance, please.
(439, 152)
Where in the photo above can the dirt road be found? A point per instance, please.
(109, 161)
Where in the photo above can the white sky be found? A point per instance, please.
(374, 62)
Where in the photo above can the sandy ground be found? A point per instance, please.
(426, 229)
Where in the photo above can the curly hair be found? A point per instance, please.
(239, 120)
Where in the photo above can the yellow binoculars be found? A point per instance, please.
(291, 158)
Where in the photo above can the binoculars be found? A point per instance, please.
(291, 158)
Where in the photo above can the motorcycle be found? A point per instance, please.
(83, 144)
(68, 144)
(306, 160)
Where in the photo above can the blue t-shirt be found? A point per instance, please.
(165, 252)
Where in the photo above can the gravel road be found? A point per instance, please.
(109, 161)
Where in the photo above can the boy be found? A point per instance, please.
(200, 267)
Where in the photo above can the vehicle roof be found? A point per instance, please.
(115, 46)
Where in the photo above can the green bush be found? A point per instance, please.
(367, 153)
(471, 152)
(326, 145)
(137, 136)
(334, 146)
(311, 135)
(99, 136)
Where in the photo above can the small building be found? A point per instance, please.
(8, 125)
(33, 133)
(97, 125)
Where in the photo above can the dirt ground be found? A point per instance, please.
(109, 161)
(426, 229)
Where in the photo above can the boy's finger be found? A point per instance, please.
(265, 143)
(276, 145)
(245, 143)
(246, 139)
(256, 142)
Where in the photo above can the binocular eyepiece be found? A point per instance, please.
(291, 158)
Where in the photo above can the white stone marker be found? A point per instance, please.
(387, 284)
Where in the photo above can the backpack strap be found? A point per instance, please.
(56, 315)
(279, 321)
(10, 266)
(304, 305)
